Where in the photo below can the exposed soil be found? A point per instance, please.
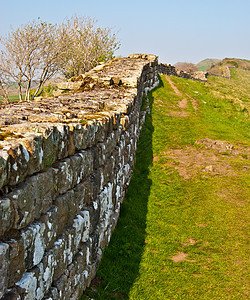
(189, 242)
(192, 162)
(183, 103)
(181, 256)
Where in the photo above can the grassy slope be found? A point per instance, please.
(205, 64)
(219, 68)
(163, 211)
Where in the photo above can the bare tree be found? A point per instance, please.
(186, 67)
(30, 52)
(3, 89)
(38, 50)
(11, 62)
(84, 45)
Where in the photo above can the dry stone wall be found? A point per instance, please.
(65, 165)
(168, 69)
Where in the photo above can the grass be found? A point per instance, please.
(205, 64)
(12, 98)
(202, 220)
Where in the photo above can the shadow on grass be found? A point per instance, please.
(120, 264)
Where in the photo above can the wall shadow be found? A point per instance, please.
(120, 264)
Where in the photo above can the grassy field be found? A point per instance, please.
(183, 228)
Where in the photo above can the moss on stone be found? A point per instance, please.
(8, 134)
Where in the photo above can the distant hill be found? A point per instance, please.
(205, 64)
(222, 66)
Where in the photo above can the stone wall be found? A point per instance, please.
(168, 69)
(65, 165)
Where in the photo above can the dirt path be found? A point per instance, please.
(183, 104)
(213, 158)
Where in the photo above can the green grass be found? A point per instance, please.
(12, 98)
(163, 210)
(205, 64)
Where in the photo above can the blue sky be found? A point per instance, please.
(175, 30)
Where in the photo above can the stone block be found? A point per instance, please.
(19, 161)
(4, 267)
(52, 294)
(99, 153)
(34, 144)
(17, 264)
(31, 286)
(86, 225)
(27, 201)
(71, 203)
(91, 272)
(51, 144)
(66, 210)
(11, 294)
(87, 164)
(78, 135)
(64, 175)
(102, 129)
(6, 215)
(96, 181)
(50, 220)
(4, 163)
(74, 236)
(34, 244)
(105, 199)
(61, 285)
(55, 260)
(72, 170)
(83, 194)
(70, 85)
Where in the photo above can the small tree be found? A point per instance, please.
(83, 45)
(38, 50)
(30, 52)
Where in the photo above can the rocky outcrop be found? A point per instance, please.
(65, 164)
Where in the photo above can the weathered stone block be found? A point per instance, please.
(101, 129)
(66, 210)
(72, 170)
(86, 225)
(32, 198)
(34, 144)
(34, 244)
(6, 215)
(4, 162)
(30, 286)
(83, 194)
(27, 286)
(62, 287)
(77, 139)
(11, 294)
(17, 265)
(105, 199)
(64, 175)
(50, 220)
(52, 294)
(4, 267)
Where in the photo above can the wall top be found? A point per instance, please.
(30, 128)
